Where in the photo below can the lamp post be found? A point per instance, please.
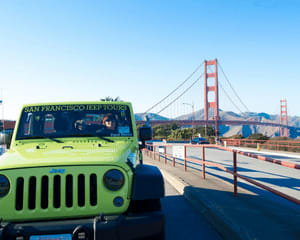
(192, 105)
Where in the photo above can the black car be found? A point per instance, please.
(199, 140)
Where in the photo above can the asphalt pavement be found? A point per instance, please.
(249, 215)
(182, 220)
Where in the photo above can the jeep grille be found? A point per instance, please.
(66, 191)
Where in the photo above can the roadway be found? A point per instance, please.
(275, 176)
(245, 216)
(182, 221)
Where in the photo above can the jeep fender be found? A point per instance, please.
(148, 183)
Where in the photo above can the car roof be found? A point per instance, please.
(76, 103)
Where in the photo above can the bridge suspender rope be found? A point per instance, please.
(181, 94)
(227, 95)
(235, 93)
(233, 88)
(197, 68)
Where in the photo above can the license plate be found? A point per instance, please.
(52, 237)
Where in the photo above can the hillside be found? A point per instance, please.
(245, 130)
(152, 116)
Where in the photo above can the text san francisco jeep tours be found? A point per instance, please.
(74, 171)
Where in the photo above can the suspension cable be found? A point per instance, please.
(233, 88)
(227, 95)
(181, 94)
(197, 68)
(230, 98)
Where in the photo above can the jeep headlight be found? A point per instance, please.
(114, 179)
(4, 186)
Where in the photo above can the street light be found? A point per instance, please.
(192, 105)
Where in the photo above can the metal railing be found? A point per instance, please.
(150, 151)
(278, 145)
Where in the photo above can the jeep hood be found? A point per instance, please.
(67, 154)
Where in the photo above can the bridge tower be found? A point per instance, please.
(211, 88)
(283, 118)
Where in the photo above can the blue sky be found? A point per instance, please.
(141, 50)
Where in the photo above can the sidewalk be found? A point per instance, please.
(246, 216)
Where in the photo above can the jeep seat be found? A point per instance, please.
(61, 124)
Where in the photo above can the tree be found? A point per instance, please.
(174, 126)
(258, 136)
(163, 131)
(110, 99)
(185, 133)
(237, 136)
(210, 131)
(282, 138)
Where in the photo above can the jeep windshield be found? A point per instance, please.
(75, 120)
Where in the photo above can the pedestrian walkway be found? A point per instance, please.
(292, 157)
(270, 152)
(246, 216)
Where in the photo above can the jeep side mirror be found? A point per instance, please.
(145, 133)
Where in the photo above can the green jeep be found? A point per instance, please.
(74, 171)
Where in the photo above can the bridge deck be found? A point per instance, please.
(213, 122)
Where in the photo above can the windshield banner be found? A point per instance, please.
(76, 107)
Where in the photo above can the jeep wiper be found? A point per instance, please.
(91, 135)
(40, 137)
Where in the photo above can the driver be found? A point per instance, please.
(110, 122)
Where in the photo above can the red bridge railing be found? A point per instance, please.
(150, 150)
(278, 145)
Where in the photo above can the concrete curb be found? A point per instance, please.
(226, 228)
(176, 183)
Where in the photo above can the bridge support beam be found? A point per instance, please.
(211, 88)
(283, 118)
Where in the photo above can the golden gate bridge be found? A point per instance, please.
(211, 103)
